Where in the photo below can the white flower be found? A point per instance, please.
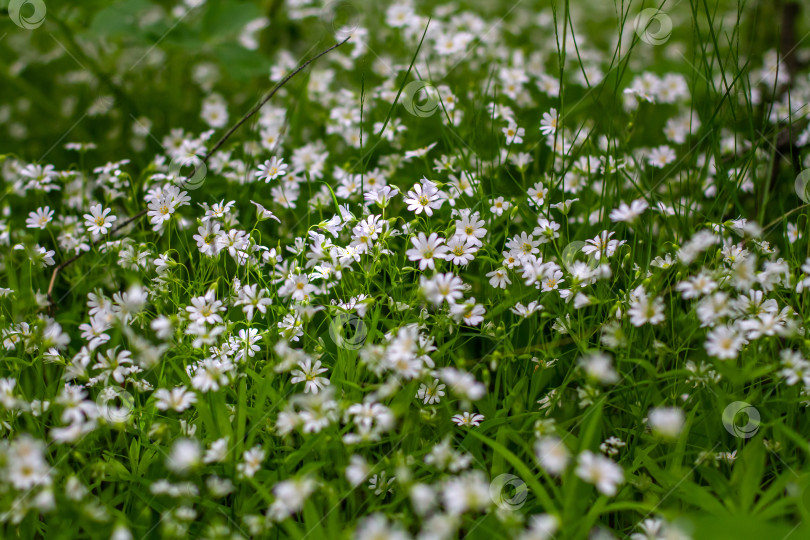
(271, 169)
(25, 463)
(667, 422)
(376, 527)
(98, 221)
(290, 497)
(162, 326)
(661, 157)
(526, 311)
(160, 210)
(209, 374)
(426, 249)
(424, 197)
(381, 484)
(297, 286)
(215, 111)
(370, 415)
(184, 456)
(309, 375)
(205, 309)
(548, 125)
(468, 312)
(551, 280)
(471, 227)
(207, 238)
(537, 196)
(601, 245)
(462, 383)
(399, 15)
(40, 218)
(646, 310)
(423, 499)
(724, 342)
(460, 251)
(499, 206)
(552, 454)
(599, 471)
(469, 491)
(357, 471)
(381, 196)
(431, 393)
(263, 213)
(630, 213)
(217, 452)
(468, 419)
(541, 527)
(599, 366)
(251, 461)
(499, 278)
(252, 298)
(441, 288)
(178, 399)
(513, 133)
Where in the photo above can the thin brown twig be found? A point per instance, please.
(204, 161)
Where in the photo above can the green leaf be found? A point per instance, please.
(243, 64)
(746, 477)
(684, 489)
(521, 469)
(119, 18)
